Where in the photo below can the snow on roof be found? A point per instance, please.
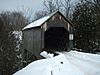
(71, 63)
(38, 22)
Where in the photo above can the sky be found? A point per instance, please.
(35, 5)
(20, 4)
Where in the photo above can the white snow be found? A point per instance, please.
(36, 23)
(66, 63)
(18, 34)
(46, 55)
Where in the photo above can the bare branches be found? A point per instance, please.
(40, 14)
(28, 13)
(50, 6)
(67, 6)
(54, 5)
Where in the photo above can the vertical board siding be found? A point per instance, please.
(37, 41)
(27, 40)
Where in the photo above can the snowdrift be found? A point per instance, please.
(66, 63)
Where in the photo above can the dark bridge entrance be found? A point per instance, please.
(56, 38)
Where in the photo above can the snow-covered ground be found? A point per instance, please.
(66, 63)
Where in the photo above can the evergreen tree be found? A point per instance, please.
(85, 21)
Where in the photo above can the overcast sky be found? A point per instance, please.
(19, 4)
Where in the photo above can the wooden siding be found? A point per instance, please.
(37, 41)
(32, 40)
(28, 40)
(56, 21)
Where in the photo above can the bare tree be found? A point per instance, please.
(18, 20)
(14, 20)
(66, 4)
(52, 5)
(39, 14)
(28, 13)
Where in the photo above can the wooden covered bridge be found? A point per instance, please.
(52, 33)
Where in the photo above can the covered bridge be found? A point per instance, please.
(49, 33)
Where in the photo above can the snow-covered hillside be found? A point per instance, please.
(66, 63)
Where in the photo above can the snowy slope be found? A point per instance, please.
(89, 64)
(66, 63)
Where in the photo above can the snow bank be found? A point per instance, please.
(46, 55)
(71, 63)
(88, 63)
